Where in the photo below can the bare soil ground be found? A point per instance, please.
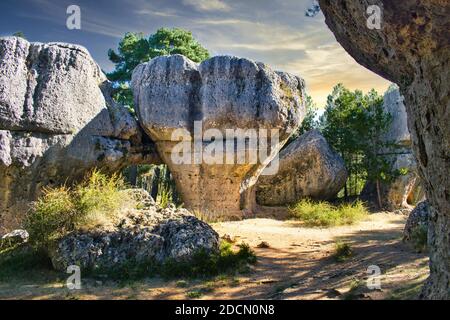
(298, 264)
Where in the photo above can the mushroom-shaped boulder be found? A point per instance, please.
(217, 124)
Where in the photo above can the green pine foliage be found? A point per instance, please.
(354, 124)
(135, 49)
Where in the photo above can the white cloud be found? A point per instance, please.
(208, 5)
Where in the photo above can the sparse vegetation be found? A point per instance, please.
(204, 264)
(181, 284)
(98, 200)
(164, 196)
(409, 291)
(343, 251)
(23, 263)
(195, 294)
(323, 214)
(356, 288)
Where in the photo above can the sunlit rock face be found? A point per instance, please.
(405, 189)
(149, 236)
(309, 168)
(175, 98)
(411, 48)
(57, 121)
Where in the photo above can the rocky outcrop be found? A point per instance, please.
(14, 238)
(145, 237)
(57, 121)
(218, 112)
(405, 189)
(417, 218)
(308, 168)
(412, 50)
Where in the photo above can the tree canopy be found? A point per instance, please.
(135, 48)
(354, 124)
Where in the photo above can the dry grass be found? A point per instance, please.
(97, 201)
(323, 214)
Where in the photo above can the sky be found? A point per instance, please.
(275, 32)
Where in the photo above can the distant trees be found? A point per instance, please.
(19, 34)
(309, 122)
(354, 124)
(135, 48)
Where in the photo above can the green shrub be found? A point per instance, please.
(98, 200)
(164, 196)
(196, 294)
(52, 216)
(357, 287)
(323, 214)
(23, 263)
(204, 264)
(343, 251)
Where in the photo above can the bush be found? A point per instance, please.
(23, 263)
(343, 251)
(98, 200)
(323, 214)
(204, 264)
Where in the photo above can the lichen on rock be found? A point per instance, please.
(223, 93)
(309, 168)
(147, 236)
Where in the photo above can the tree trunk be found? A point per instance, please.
(380, 205)
(155, 183)
(132, 175)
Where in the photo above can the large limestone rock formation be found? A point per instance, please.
(406, 189)
(412, 50)
(174, 96)
(57, 121)
(308, 168)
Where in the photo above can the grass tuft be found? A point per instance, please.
(343, 251)
(97, 201)
(23, 263)
(323, 214)
(204, 264)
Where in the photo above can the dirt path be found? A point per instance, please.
(297, 265)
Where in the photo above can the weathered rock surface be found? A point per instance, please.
(13, 238)
(398, 130)
(406, 189)
(417, 218)
(308, 168)
(148, 236)
(57, 121)
(173, 94)
(412, 50)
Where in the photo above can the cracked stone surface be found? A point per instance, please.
(412, 50)
(172, 92)
(309, 168)
(57, 122)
